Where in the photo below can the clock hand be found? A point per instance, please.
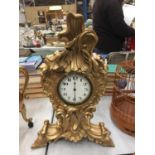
(74, 89)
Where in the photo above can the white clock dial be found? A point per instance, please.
(74, 88)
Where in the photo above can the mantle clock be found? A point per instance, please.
(74, 80)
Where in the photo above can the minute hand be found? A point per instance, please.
(74, 89)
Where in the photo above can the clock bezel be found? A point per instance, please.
(70, 103)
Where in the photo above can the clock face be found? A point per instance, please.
(74, 89)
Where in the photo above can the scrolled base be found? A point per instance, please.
(52, 132)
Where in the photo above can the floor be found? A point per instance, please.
(41, 109)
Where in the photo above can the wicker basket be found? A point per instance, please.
(123, 100)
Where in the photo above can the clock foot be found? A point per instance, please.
(49, 132)
(40, 142)
(99, 134)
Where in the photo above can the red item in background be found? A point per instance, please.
(36, 43)
(131, 43)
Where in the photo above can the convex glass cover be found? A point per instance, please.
(74, 88)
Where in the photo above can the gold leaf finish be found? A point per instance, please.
(73, 121)
(75, 26)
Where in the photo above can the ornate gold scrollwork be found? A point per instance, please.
(73, 122)
(75, 26)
